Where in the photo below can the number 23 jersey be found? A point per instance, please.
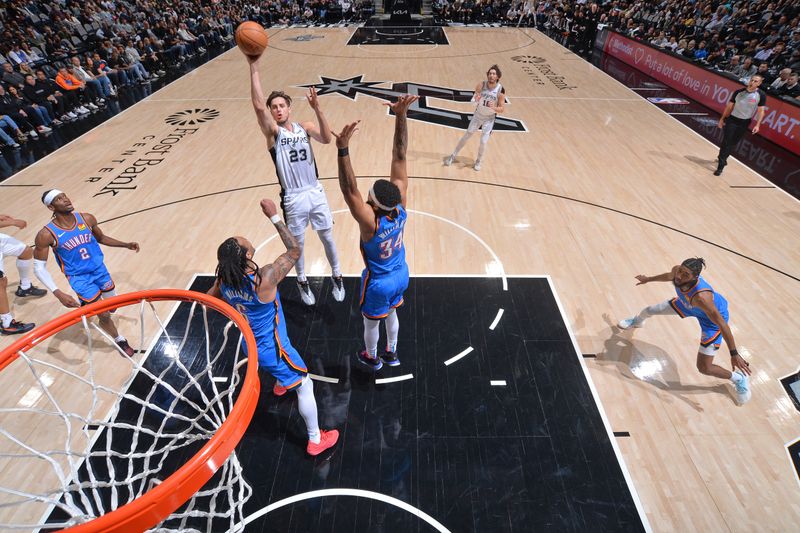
(76, 249)
(294, 158)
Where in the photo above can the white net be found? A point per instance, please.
(88, 430)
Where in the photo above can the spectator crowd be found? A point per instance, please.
(65, 60)
(62, 61)
(739, 38)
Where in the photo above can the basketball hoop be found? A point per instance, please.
(153, 449)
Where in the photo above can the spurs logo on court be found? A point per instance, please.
(528, 59)
(190, 117)
(422, 109)
(304, 38)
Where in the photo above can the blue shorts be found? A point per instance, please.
(380, 294)
(284, 363)
(710, 334)
(90, 287)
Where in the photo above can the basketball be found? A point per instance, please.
(251, 38)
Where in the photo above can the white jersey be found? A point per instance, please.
(294, 159)
(488, 95)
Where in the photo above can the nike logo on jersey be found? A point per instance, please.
(61, 235)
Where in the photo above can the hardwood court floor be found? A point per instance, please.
(601, 187)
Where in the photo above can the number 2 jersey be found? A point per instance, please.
(294, 158)
(77, 251)
(385, 252)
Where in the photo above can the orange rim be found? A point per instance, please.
(157, 504)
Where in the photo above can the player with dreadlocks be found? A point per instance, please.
(696, 298)
(381, 220)
(253, 291)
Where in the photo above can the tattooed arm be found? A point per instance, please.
(271, 275)
(399, 172)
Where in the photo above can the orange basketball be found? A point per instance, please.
(251, 38)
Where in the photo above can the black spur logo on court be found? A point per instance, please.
(128, 168)
(536, 67)
(304, 38)
(422, 110)
(190, 117)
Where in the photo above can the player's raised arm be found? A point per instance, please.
(272, 274)
(399, 172)
(265, 121)
(44, 240)
(477, 95)
(347, 183)
(6, 221)
(107, 240)
(666, 276)
(321, 131)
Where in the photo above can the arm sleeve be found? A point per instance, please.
(40, 269)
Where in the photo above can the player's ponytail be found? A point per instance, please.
(232, 265)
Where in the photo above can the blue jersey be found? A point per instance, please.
(265, 319)
(684, 302)
(385, 252)
(77, 251)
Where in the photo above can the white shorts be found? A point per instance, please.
(484, 123)
(304, 206)
(9, 246)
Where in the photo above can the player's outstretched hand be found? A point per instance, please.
(738, 363)
(642, 279)
(313, 101)
(402, 104)
(343, 137)
(65, 299)
(133, 246)
(269, 208)
(21, 224)
(252, 60)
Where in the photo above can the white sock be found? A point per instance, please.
(119, 338)
(307, 406)
(392, 329)
(736, 377)
(326, 236)
(24, 266)
(461, 143)
(371, 334)
(662, 308)
(6, 319)
(300, 266)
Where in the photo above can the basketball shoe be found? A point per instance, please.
(338, 288)
(449, 160)
(630, 323)
(374, 363)
(126, 348)
(305, 292)
(742, 386)
(33, 290)
(327, 439)
(16, 327)
(390, 358)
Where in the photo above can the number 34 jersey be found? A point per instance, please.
(385, 252)
(294, 158)
(76, 250)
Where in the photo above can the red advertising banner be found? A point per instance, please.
(781, 123)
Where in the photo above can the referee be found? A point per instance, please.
(741, 108)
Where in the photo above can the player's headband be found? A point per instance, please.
(376, 202)
(50, 196)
